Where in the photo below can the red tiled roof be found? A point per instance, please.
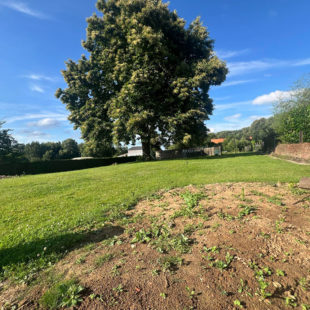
(218, 141)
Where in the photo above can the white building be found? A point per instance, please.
(135, 151)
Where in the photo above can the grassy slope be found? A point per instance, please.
(37, 209)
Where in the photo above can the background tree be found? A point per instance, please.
(69, 149)
(292, 115)
(34, 151)
(147, 77)
(8, 145)
(97, 149)
(52, 150)
(262, 130)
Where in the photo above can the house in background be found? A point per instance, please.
(135, 151)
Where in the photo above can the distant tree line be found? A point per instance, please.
(11, 150)
(260, 136)
(36, 151)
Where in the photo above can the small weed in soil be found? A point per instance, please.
(64, 294)
(103, 259)
(170, 263)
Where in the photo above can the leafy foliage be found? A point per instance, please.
(8, 145)
(36, 151)
(147, 77)
(292, 114)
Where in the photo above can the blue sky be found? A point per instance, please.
(266, 45)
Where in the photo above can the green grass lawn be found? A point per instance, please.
(57, 210)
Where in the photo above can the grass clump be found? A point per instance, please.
(170, 263)
(64, 294)
(103, 259)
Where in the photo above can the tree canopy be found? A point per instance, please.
(147, 77)
(8, 144)
(36, 151)
(69, 149)
(292, 115)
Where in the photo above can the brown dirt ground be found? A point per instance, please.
(269, 243)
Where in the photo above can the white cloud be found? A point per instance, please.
(303, 62)
(35, 133)
(228, 106)
(40, 77)
(22, 7)
(272, 97)
(237, 82)
(225, 54)
(256, 117)
(221, 98)
(37, 88)
(45, 123)
(245, 67)
(29, 116)
(28, 136)
(233, 118)
(229, 126)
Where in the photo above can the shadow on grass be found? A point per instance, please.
(43, 251)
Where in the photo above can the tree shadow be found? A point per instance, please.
(54, 247)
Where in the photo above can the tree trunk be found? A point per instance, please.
(146, 149)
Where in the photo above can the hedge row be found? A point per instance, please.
(60, 165)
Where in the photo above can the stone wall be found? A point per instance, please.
(297, 151)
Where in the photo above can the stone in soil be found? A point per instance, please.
(304, 183)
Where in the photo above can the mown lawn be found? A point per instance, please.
(44, 215)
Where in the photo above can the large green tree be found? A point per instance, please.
(292, 115)
(147, 77)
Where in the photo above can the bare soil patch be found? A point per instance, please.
(220, 246)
